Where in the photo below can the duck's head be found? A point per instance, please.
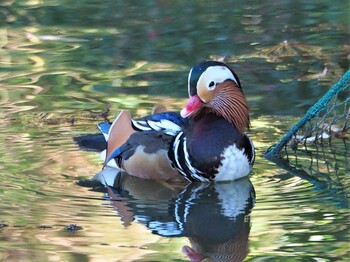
(214, 87)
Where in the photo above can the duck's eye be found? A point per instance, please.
(211, 85)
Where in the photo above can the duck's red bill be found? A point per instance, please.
(191, 254)
(192, 106)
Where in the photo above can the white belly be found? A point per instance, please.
(234, 165)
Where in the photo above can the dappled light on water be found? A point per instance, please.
(68, 65)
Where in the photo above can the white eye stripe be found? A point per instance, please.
(211, 85)
(216, 74)
(188, 82)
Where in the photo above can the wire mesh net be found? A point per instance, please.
(317, 147)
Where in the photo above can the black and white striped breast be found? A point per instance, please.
(212, 149)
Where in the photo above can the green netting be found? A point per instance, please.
(317, 147)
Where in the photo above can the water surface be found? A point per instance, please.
(63, 63)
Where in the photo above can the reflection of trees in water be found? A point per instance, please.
(114, 51)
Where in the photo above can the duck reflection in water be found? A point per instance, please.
(214, 216)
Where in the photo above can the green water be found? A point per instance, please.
(63, 62)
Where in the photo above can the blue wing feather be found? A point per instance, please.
(169, 122)
(104, 127)
(174, 117)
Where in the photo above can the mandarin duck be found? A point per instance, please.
(204, 142)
